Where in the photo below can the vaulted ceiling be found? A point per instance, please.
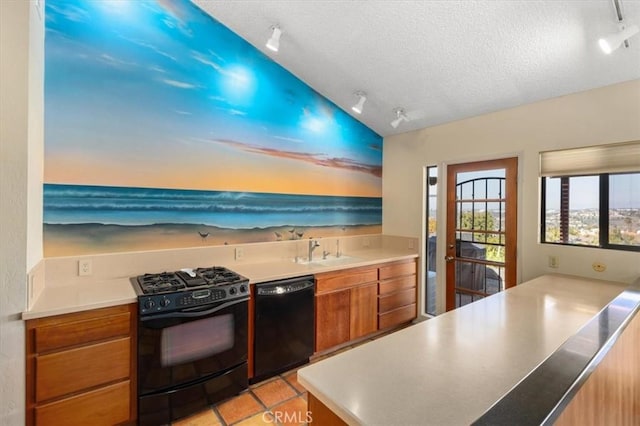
(439, 60)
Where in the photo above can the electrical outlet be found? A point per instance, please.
(412, 244)
(239, 253)
(85, 267)
(599, 266)
(366, 243)
(554, 262)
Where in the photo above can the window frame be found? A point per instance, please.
(603, 215)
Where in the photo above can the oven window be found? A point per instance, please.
(196, 340)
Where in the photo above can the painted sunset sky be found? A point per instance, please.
(158, 94)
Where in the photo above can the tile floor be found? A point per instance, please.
(279, 400)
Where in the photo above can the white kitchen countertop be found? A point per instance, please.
(81, 297)
(450, 369)
(270, 271)
(93, 294)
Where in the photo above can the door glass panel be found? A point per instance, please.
(479, 189)
(473, 278)
(495, 188)
(466, 298)
(431, 205)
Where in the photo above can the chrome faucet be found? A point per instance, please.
(312, 245)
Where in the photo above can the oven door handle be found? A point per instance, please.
(183, 314)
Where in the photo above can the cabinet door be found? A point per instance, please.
(332, 319)
(363, 310)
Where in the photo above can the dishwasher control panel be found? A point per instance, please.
(275, 289)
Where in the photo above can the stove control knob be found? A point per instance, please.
(149, 304)
(232, 291)
(165, 302)
(243, 288)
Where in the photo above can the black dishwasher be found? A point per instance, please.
(283, 327)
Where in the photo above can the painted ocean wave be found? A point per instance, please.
(62, 205)
(73, 204)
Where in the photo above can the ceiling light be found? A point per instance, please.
(274, 42)
(400, 117)
(357, 108)
(612, 42)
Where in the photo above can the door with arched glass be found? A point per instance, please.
(481, 229)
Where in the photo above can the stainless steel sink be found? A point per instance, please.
(330, 261)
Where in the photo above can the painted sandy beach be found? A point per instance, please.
(93, 238)
(82, 219)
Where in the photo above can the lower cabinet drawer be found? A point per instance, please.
(392, 285)
(105, 406)
(389, 302)
(71, 371)
(397, 316)
(82, 331)
(341, 280)
(398, 269)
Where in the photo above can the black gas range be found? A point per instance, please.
(192, 341)
(171, 291)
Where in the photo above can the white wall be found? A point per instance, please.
(21, 152)
(35, 161)
(605, 115)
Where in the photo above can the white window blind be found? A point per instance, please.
(612, 158)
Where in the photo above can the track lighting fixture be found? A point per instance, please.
(274, 41)
(357, 108)
(400, 117)
(613, 41)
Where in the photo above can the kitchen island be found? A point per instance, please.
(451, 369)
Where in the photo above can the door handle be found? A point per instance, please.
(449, 258)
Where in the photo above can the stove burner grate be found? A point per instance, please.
(218, 275)
(160, 283)
(167, 282)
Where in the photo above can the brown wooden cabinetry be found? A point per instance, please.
(81, 368)
(363, 312)
(345, 306)
(354, 303)
(332, 319)
(397, 294)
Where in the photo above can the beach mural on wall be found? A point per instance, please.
(164, 129)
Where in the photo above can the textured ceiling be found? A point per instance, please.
(439, 60)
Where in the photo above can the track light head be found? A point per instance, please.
(274, 41)
(613, 41)
(357, 108)
(400, 117)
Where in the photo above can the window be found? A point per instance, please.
(589, 204)
(431, 205)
